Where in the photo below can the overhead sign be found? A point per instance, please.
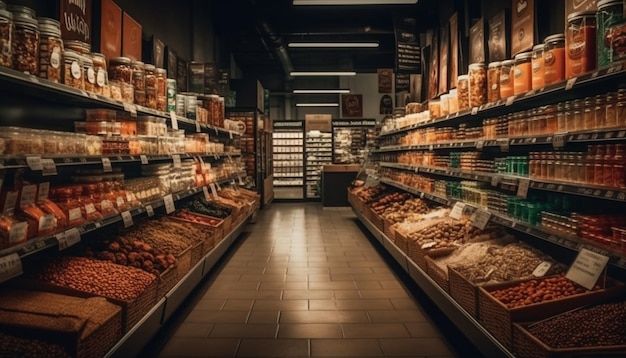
(318, 122)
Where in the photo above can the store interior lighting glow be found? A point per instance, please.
(354, 2)
(317, 104)
(320, 91)
(323, 73)
(333, 44)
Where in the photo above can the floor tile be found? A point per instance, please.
(412, 347)
(263, 317)
(323, 317)
(399, 316)
(384, 293)
(281, 305)
(237, 305)
(315, 330)
(345, 348)
(200, 347)
(273, 348)
(246, 330)
(375, 330)
(322, 305)
(363, 304)
(210, 304)
(202, 316)
(304, 294)
(333, 285)
(422, 330)
(193, 330)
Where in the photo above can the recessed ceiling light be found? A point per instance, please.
(317, 104)
(334, 44)
(323, 73)
(320, 91)
(353, 2)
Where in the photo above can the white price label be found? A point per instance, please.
(119, 201)
(176, 160)
(429, 245)
(174, 120)
(509, 101)
(522, 188)
(43, 192)
(69, 238)
(240, 180)
(570, 83)
(587, 268)
(131, 108)
(149, 211)
(457, 210)
(542, 269)
(127, 217)
(47, 222)
(169, 204)
(9, 203)
(198, 128)
(106, 204)
(482, 219)
(559, 140)
(90, 209)
(474, 111)
(495, 180)
(207, 196)
(34, 163)
(18, 232)
(144, 159)
(106, 165)
(504, 145)
(48, 167)
(230, 134)
(480, 144)
(10, 266)
(29, 195)
(214, 191)
(75, 214)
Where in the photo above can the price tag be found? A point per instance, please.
(559, 140)
(504, 145)
(615, 68)
(34, 163)
(47, 222)
(34, 78)
(29, 195)
(480, 144)
(106, 204)
(509, 101)
(431, 147)
(43, 192)
(10, 266)
(428, 245)
(131, 108)
(90, 209)
(149, 211)
(495, 180)
(570, 83)
(174, 120)
(230, 134)
(106, 165)
(542, 269)
(198, 129)
(474, 111)
(214, 191)
(48, 167)
(176, 160)
(522, 188)
(481, 219)
(127, 217)
(587, 268)
(457, 210)
(219, 188)
(240, 180)
(207, 196)
(75, 214)
(69, 238)
(169, 204)
(18, 232)
(144, 159)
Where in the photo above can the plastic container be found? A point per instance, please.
(6, 36)
(120, 70)
(580, 42)
(73, 70)
(609, 13)
(477, 73)
(25, 44)
(538, 67)
(493, 81)
(50, 49)
(506, 79)
(554, 59)
(522, 78)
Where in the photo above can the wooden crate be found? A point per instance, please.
(526, 345)
(183, 263)
(498, 319)
(167, 280)
(377, 220)
(401, 241)
(388, 230)
(463, 291)
(438, 274)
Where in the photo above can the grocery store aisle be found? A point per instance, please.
(305, 281)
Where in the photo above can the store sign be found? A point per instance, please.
(587, 268)
(76, 20)
(318, 122)
(572, 6)
(288, 124)
(408, 51)
(352, 105)
(477, 42)
(385, 80)
(454, 49)
(497, 37)
(358, 123)
(522, 25)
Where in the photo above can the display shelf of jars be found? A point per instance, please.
(558, 237)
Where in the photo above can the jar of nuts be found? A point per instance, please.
(21, 10)
(477, 84)
(80, 47)
(462, 86)
(100, 67)
(25, 44)
(493, 81)
(120, 70)
(161, 79)
(150, 77)
(6, 34)
(50, 49)
(73, 70)
(139, 75)
(89, 74)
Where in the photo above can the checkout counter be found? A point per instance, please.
(336, 178)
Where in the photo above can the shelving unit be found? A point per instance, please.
(351, 139)
(319, 152)
(288, 159)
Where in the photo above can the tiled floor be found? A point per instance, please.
(305, 281)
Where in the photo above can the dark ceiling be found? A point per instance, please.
(258, 33)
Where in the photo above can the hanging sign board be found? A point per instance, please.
(76, 20)
(318, 122)
(278, 125)
(522, 25)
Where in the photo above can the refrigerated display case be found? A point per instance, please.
(288, 161)
(319, 152)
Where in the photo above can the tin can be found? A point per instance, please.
(609, 12)
(170, 85)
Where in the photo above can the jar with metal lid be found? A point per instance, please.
(522, 78)
(552, 123)
(620, 109)
(554, 59)
(25, 44)
(477, 73)
(609, 12)
(89, 74)
(140, 98)
(150, 77)
(493, 81)
(462, 86)
(100, 67)
(151, 98)
(120, 70)
(538, 67)
(73, 70)
(506, 79)
(138, 75)
(128, 92)
(77, 46)
(161, 77)
(3, 6)
(50, 49)
(21, 10)
(6, 36)
(580, 42)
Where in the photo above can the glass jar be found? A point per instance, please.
(598, 171)
(120, 70)
(580, 42)
(493, 81)
(609, 12)
(150, 77)
(599, 115)
(80, 47)
(620, 109)
(477, 73)
(462, 86)
(588, 110)
(6, 36)
(25, 44)
(161, 90)
(89, 74)
(116, 89)
(560, 117)
(73, 70)
(138, 75)
(128, 92)
(551, 119)
(506, 79)
(538, 67)
(608, 166)
(141, 98)
(554, 59)
(522, 78)
(50, 49)
(100, 67)
(619, 174)
(151, 98)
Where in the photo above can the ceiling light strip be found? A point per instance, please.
(333, 44)
(320, 91)
(323, 73)
(317, 104)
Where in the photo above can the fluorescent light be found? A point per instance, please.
(353, 2)
(324, 73)
(317, 104)
(321, 91)
(334, 44)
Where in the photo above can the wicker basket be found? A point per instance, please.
(498, 319)
(167, 280)
(463, 291)
(526, 345)
(438, 274)
(377, 220)
(103, 338)
(401, 241)
(183, 263)
(387, 230)
(416, 253)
